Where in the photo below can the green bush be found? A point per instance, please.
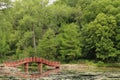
(100, 64)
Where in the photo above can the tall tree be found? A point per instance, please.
(48, 45)
(29, 22)
(5, 30)
(69, 43)
(98, 37)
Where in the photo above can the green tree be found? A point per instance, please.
(97, 39)
(69, 43)
(4, 47)
(47, 46)
(5, 30)
(71, 3)
(29, 22)
(62, 14)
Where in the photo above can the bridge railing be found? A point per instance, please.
(54, 64)
(33, 59)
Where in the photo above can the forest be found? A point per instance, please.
(67, 30)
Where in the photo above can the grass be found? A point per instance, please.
(102, 64)
(96, 63)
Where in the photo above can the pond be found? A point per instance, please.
(69, 75)
(85, 73)
(102, 73)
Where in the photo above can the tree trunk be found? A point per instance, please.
(34, 41)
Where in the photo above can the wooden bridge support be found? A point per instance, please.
(26, 67)
(40, 68)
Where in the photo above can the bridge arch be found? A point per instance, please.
(39, 61)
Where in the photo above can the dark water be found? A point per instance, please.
(98, 74)
(84, 76)
(101, 73)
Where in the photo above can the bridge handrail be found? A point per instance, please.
(32, 59)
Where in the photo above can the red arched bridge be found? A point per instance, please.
(39, 61)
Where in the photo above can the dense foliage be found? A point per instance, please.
(68, 30)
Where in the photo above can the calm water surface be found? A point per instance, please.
(96, 74)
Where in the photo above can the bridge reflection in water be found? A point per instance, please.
(39, 61)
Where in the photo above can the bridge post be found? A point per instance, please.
(40, 68)
(26, 67)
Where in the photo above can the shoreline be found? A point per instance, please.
(86, 67)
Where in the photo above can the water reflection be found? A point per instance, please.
(101, 73)
(67, 75)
